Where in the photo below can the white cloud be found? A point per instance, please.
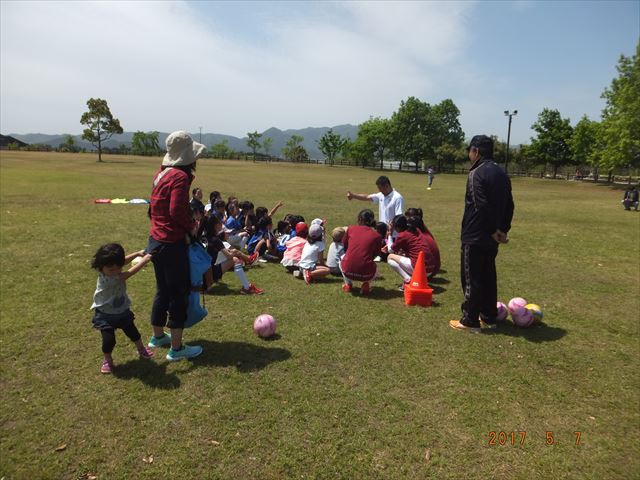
(163, 65)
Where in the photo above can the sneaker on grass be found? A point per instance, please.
(160, 341)
(306, 274)
(252, 290)
(107, 367)
(187, 351)
(253, 259)
(346, 287)
(456, 325)
(145, 352)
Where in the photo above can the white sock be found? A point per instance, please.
(241, 275)
(393, 264)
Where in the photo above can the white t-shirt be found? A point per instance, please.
(336, 252)
(389, 206)
(310, 254)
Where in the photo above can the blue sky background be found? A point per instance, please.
(234, 67)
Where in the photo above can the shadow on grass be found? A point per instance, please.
(246, 357)
(537, 334)
(439, 281)
(149, 372)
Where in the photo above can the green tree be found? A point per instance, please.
(253, 142)
(449, 155)
(373, 141)
(331, 144)
(267, 143)
(620, 129)
(551, 146)
(145, 143)
(585, 144)
(292, 148)
(411, 128)
(13, 146)
(100, 122)
(222, 149)
(69, 144)
(447, 119)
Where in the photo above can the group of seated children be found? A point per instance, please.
(236, 235)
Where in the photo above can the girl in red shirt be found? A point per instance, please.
(407, 246)
(361, 244)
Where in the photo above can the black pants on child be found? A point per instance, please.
(108, 323)
(479, 284)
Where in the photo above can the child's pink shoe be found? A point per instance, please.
(145, 352)
(107, 367)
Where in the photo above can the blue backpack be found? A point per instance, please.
(199, 263)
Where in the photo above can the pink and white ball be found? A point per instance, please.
(264, 325)
(516, 302)
(522, 317)
(503, 312)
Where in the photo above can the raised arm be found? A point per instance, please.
(358, 196)
(275, 208)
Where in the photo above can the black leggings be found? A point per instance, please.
(109, 336)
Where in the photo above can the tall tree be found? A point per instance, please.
(412, 126)
(267, 143)
(447, 117)
(292, 148)
(100, 122)
(331, 144)
(585, 145)
(374, 139)
(253, 142)
(620, 130)
(551, 146)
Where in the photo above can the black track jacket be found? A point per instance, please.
(488, 204)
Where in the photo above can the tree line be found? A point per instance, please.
(420, 134)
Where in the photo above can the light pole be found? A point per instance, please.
(508, 114)
(200, 139)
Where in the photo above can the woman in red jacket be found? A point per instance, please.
(407, 246)
(171, 225)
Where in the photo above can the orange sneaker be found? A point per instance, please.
(346, 287)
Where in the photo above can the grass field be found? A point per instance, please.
(352, 388)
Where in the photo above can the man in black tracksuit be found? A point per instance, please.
(488, 210)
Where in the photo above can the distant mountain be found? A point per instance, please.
(311, 136)
(7, 140)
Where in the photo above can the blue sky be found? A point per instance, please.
(234, 67)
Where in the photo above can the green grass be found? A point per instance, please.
(353, 388)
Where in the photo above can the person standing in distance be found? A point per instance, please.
(171, 225)
(488, 210)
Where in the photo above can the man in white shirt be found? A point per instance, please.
(390, 202)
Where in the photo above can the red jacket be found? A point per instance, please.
(170, 214)
(361, 245)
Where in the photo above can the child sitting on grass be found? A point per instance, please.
(111, 304)
(263, 242)
(336, 250)
(230, 258)
(311, 262)
(293, 248)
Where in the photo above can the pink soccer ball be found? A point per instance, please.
(503, 312)
(522, 317)
(516, 302)
(264, 325)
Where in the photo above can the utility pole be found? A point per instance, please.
(508, 114)
(200, 140)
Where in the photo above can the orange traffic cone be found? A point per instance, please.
(417, 291)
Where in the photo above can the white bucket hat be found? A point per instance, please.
(181, 150)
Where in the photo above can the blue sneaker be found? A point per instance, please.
(187, 351)
(160, 342)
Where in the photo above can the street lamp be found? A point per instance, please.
(508, 114)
